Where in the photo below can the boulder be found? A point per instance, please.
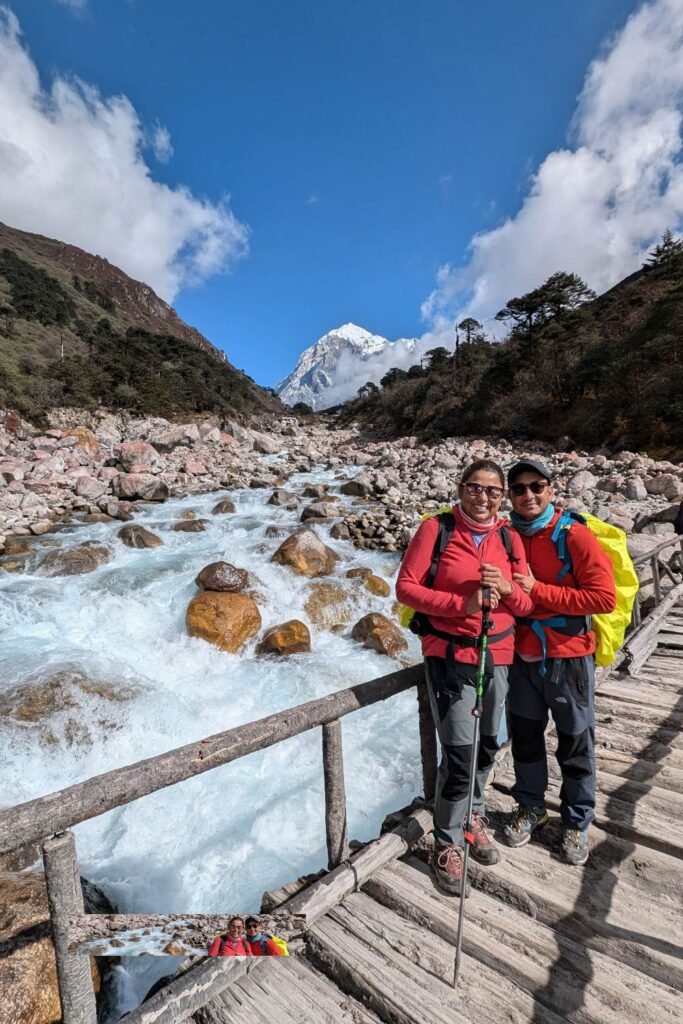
(580, 482)
(378, 633)
(90, 488)
(222, 577)
(139, 453)
(225, 620)
(276, 531)
(195, 468)
(376, 585)
(190, 526)
(340, 531)
(328, 604)
(224, 506)
(85, 439)
(315, 490)
(359, 572)
(28, 975)
(135, 536)
(306, 554)
(282, 497)
(319, 510)
(291, 637)
(359, 486)
(634, 489)
(74, 561)
(139, 487)
(265, 444)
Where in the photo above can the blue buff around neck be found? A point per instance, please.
(530, 526)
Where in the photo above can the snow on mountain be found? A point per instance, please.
(332, 370)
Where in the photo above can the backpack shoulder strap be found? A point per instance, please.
(446, 526)
(559, 539)
(506, 538)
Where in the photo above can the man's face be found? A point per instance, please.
(252, 930)
(530, 494)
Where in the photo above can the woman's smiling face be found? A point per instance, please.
(484, 505)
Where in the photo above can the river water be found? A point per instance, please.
(216, 842)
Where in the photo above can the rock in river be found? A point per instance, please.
(135, 536)
(225, 620)
(379, 634)
(222, 577)
(306, 554)
(75, 561)
(290, 637)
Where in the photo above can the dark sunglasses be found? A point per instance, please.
(474, 490)
(536, 487)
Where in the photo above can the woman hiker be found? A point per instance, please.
(234, 943)
(480, 552)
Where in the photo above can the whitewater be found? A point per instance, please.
(214, 843)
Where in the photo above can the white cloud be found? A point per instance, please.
(596, 207)
(74, 5)
(161, 144)
(72, 167)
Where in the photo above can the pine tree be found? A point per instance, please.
(666, 252)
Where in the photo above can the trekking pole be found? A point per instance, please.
(477, 710)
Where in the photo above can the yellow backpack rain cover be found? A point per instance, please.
(611, 627)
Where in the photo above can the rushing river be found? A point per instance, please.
(215, 842)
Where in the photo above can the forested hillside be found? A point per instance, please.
(77, 331)
(596, 370)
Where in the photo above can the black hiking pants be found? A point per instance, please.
(567, 691)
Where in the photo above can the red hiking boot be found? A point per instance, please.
(446, 865)
(484, 848)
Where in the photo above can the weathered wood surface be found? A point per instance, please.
(38, 818)
(189, 934)
(642, 642)
(335, 795)
(285, 992)
(65, 897)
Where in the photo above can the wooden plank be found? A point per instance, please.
(642, 693)
(285, 992)
(404, 973)
(645, 717)
(618, 763)
(559, 970)
(35, 819)
(335, 795)
(627, 902)
(667, 638)
(643, 640)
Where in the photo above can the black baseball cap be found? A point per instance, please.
(527, 466)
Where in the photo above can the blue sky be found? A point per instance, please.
(362, 144)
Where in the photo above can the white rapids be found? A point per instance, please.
(216, 842)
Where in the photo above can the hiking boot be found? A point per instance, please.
(447, 865)
(524, 822)
(575, 846)
(483, 848)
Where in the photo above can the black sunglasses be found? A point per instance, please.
(536, 487)
(474, 490)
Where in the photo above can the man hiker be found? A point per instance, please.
(554, 668)
(260, 943)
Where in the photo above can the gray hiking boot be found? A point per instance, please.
(524, 823)
(575, 846)
(447, 865)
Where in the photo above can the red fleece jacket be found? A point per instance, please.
(457, 578)
(587, 590)
(224, 946)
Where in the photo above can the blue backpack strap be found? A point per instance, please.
(538, 626)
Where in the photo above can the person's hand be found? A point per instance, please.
(492, 576)
(525, 582)
(475, 602)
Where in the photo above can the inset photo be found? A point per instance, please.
(188, 935)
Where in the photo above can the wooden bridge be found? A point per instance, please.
(544, 942)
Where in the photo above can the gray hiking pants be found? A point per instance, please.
(452, 696)
(567, 691)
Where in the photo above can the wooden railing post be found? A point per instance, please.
(335, 795)
(428, 752)
(656, 579)
(65, 897)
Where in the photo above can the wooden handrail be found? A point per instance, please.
(669, 542)
(56, 812)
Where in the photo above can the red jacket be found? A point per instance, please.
(457, 578)
(224, 946)
(587, 590)
(271, 948)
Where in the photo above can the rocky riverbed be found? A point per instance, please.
(98, 466)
